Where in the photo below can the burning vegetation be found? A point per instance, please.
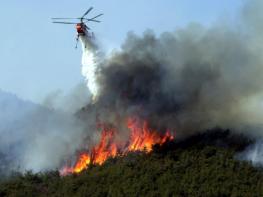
(141, 138)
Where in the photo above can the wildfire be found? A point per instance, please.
(141, 138)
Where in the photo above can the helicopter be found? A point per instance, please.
(81, 27)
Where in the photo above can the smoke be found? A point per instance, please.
(253, 153)
(193, 79)
(70, 102)
(34, 137)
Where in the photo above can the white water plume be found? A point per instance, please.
(89, 63)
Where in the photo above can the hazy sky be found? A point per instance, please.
(38, 57)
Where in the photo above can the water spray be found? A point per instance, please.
(90, 64)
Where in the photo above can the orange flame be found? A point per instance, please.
(141, 138)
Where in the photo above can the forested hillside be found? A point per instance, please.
(202, 165)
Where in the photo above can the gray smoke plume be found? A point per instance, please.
(33, 137)
(70, 102)
(189, 80)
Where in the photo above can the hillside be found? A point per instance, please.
(202, 165)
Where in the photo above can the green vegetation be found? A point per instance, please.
(203, 165)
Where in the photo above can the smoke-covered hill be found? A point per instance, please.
(34, 137)
(12, 108)
(201, 165)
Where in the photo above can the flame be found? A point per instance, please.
(141, 138)
(105, 149)
(83, 161)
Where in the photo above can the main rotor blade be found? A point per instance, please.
(96, 16)
(63, 22)
(93, 20)
(63, 18)
(87, 12)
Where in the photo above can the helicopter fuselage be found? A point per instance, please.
(81, 29)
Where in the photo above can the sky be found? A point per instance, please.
(38, 57)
